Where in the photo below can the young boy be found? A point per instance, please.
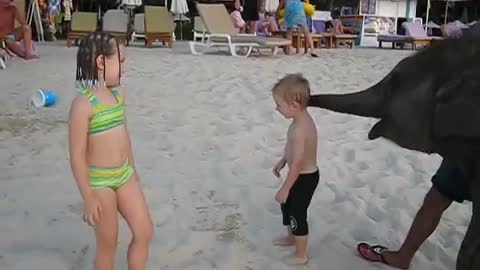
(291, 95)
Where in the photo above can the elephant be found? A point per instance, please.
(429, 102)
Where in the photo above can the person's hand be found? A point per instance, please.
(92, 210)
(278, 167)
(282, 195)
(237, 5)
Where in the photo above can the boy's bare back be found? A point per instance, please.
(302, 139)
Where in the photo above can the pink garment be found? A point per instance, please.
(33, 47)
(262, 20)
(237, 19)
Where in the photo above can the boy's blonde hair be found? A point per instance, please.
(293, 88)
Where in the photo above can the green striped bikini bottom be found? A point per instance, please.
(112, 178)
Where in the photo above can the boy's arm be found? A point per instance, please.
(77, 138)
(296, 166)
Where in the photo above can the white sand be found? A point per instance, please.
(206, 135)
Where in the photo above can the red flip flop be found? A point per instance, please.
(372, 253)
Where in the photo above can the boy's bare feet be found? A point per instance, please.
(284, 241)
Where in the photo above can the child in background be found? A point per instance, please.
(266, 25)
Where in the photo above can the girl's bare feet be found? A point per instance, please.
(284, 241)
(294, 260)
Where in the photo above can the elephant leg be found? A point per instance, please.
(469, 254)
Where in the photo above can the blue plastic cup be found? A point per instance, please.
(44, 98)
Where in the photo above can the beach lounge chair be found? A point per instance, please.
(199, 30)
(222, 33)
(414, 34)
(138, 26)
(159, 25)
(82, 24)
(3, 54)
(345, 38)
(115, 22)
(394, 39)
(342, 34)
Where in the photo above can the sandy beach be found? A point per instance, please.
(205, 136)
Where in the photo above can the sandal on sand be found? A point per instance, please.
(372, 253)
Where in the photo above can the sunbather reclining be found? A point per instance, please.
(11, 35)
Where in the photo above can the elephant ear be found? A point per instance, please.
(457, 110)
(408, 117)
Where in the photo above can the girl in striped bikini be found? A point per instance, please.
(101, 153)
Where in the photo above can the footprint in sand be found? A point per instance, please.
(391, 161)
(266, 164)
(340, 172)
(211, 214)
(340, 194)
(76, 209)
(80, 260)
(363, 166)
(375, 213)
(349, 155)
(358, 182)
(273, 208)
(429, 250)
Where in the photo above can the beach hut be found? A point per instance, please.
(374, 17)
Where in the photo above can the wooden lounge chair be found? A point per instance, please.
(159, 25)
(344, 38)
(3, 54)
(138, 26)
(83, 23)
(115, 22)
(414, 34)
(222, 33)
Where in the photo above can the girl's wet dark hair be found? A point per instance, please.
(95, 44)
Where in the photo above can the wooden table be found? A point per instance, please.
(318, 40)
(296, 39)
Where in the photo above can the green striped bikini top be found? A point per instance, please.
(105, 116)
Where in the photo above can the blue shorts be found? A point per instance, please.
(11, 36)
(451, 182)
(294, 14)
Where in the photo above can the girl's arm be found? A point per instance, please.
(77, 138)
(129, 142)
(130, 152)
